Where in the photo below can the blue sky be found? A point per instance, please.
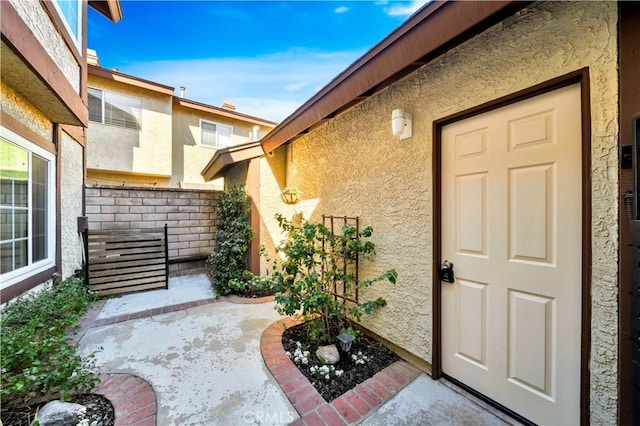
(266, 56)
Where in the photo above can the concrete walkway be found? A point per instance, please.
(202, 359)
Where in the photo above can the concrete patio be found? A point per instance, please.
(181, 357)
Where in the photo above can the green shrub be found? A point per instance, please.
(37, 359)
(316, 262)
(229, 259)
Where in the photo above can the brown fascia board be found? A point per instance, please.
(225, 158)
(187, 103)
(109, 8)
(430, 32)
(26, 66)
(130, 80)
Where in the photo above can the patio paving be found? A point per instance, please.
(204, 360)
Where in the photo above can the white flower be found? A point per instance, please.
(287, 353)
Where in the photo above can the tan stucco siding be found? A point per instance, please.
(36, 18)
(19, 108)
(71, 160)
(144, 151)
(272, 180)
(189, 157)
(353, 165)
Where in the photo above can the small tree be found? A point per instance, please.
(315, 261)
(228, 261)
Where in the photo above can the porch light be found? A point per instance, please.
(401, 124)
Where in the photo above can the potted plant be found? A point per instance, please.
(291, 195)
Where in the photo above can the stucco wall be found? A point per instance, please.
(145, 151)
(19, 108)
(36, 18)
(189, 157)
(71, 159)
(353, 165)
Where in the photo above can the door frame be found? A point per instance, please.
(580, 76)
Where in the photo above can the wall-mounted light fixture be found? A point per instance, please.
(401, 123)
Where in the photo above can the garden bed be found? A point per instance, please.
(376, 357)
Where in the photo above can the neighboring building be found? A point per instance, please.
(42, 141)
(141, 135)
(512, 172)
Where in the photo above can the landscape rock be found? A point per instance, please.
(60, 413)
(329, 354)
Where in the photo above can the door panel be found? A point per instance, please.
(511, 224)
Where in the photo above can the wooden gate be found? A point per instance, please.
(125, 261)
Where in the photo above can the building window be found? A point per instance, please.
(114, 109)
(71, 13)
(215, 135)
(27, 208)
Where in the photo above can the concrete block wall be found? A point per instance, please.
(190, 216)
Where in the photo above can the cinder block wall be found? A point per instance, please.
(190, 216)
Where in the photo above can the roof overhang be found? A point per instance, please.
(27, 67)
(187, 103)
(129, 79)
(433, 30)
(109, 8)
(223, 159)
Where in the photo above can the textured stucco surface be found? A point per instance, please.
(36, 18)
(353, 165)
(144, 151)
(189, 157)
(70, 203)
(17, 107)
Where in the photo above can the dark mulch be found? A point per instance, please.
(253, 293)
(99, 410)
(379, 358)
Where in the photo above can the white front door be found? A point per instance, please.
(511, 224)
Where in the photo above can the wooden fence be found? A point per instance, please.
(124, 261)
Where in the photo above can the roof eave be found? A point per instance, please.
(188, 103)
(109, 8)
(130, 80)
(225, 158)
(430, 32)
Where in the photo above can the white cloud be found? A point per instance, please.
(341, 9)
(405, 9)
(270, 86)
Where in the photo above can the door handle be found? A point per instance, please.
(446, 272)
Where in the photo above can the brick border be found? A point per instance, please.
(133, 399)
(352, 407)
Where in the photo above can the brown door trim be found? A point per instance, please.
(580, 76)
(629, 92)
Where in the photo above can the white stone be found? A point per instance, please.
(328, 354)
(58, 413)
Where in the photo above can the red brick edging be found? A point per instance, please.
(132, 397)
(351, 407)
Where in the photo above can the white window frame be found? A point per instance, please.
(76, 34)
(217, 143)
(103, 95)
(10, 278)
